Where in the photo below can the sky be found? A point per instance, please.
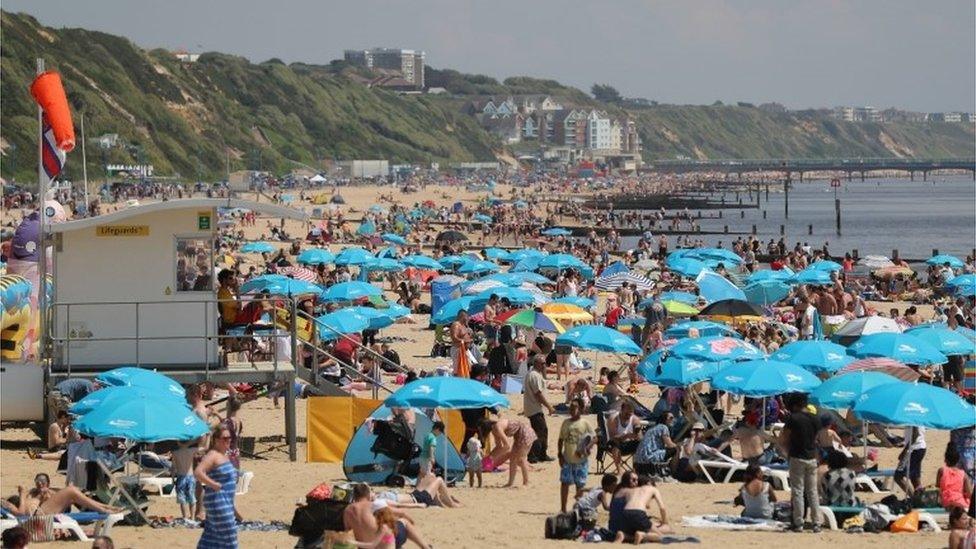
(902, 53)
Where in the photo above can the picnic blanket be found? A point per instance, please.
(731, 522)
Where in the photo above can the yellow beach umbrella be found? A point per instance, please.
(567, 311)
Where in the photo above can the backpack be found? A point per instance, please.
(562, 526)
(310, 521)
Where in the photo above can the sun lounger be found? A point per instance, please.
(780, 478)
(72, 523)
(829, 516)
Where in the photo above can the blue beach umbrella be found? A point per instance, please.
(817, 356)
(388, 252)
(350, 291)
(816, 277)
(670, 371)
(482, 218)
(507, 279)
(453, 260)
(496, 254)
(527, 264)
(782, 275)
(715, 287)
(519, 255)
(579, 301)
(422, 262)
(942, 259)
(257, 248)
(532, 278)
(376, 319)
(143, 417)
(826, 265)
(396, 311)
(338, 323)
(517, 296)
(448, 311)
(446, 392)
(968, 290)
(316, 256)
(474, 267)
(354, 256)
(962, 281)
(599, 338)
(719, 255)
(556, 231)
(716, 349)
(615, 268)
(394, 239)
(377, 209)
(946, 341)
(112, 395)
(385, 265)
(904, 348)
(915, 404)
(766, 292)
(132, 376)
(280, 285)
(705, 328)
(561, 261)
(764, 378)
(843, 391)
(366, 229)
(686, 266)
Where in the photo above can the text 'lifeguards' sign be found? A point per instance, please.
(122, 230)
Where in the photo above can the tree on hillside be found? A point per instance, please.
(606, 93)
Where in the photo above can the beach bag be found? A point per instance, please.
(321, 492)
(877, 517)
(40, 528)
(562, 526)
(926, 498)
(310, 521)
(906, 523)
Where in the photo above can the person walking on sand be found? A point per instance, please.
(219, 478)
(799, 441)
(576, 439)
(534, 407)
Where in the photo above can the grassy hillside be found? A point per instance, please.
(179, 115)
(747, 132)
(185, 117)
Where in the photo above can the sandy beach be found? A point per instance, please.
(492, 517)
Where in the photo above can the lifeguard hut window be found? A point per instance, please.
(194, 264)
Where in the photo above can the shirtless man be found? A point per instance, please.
(628, 511)
(752, 442)
(51, 502)
(358, 516)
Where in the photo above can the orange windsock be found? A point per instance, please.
(49, 94)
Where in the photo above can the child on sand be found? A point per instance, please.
(184, 482)
(474, 460)
(962, 535)
(427, 453)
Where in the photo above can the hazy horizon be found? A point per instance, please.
(802, 54)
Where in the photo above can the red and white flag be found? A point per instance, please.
(52, 157)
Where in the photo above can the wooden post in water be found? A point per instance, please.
(837, 210)
(786, 197)
(810, 229)
(935, 252)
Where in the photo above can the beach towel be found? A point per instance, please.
(463, 367)
(730, 522)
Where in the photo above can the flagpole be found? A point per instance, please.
(42, 186)
(84, 165)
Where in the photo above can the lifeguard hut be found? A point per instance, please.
(138, 287)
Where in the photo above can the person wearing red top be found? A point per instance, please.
(613, 316)
(777, 264)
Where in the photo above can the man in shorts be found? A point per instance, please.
(576, 439)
